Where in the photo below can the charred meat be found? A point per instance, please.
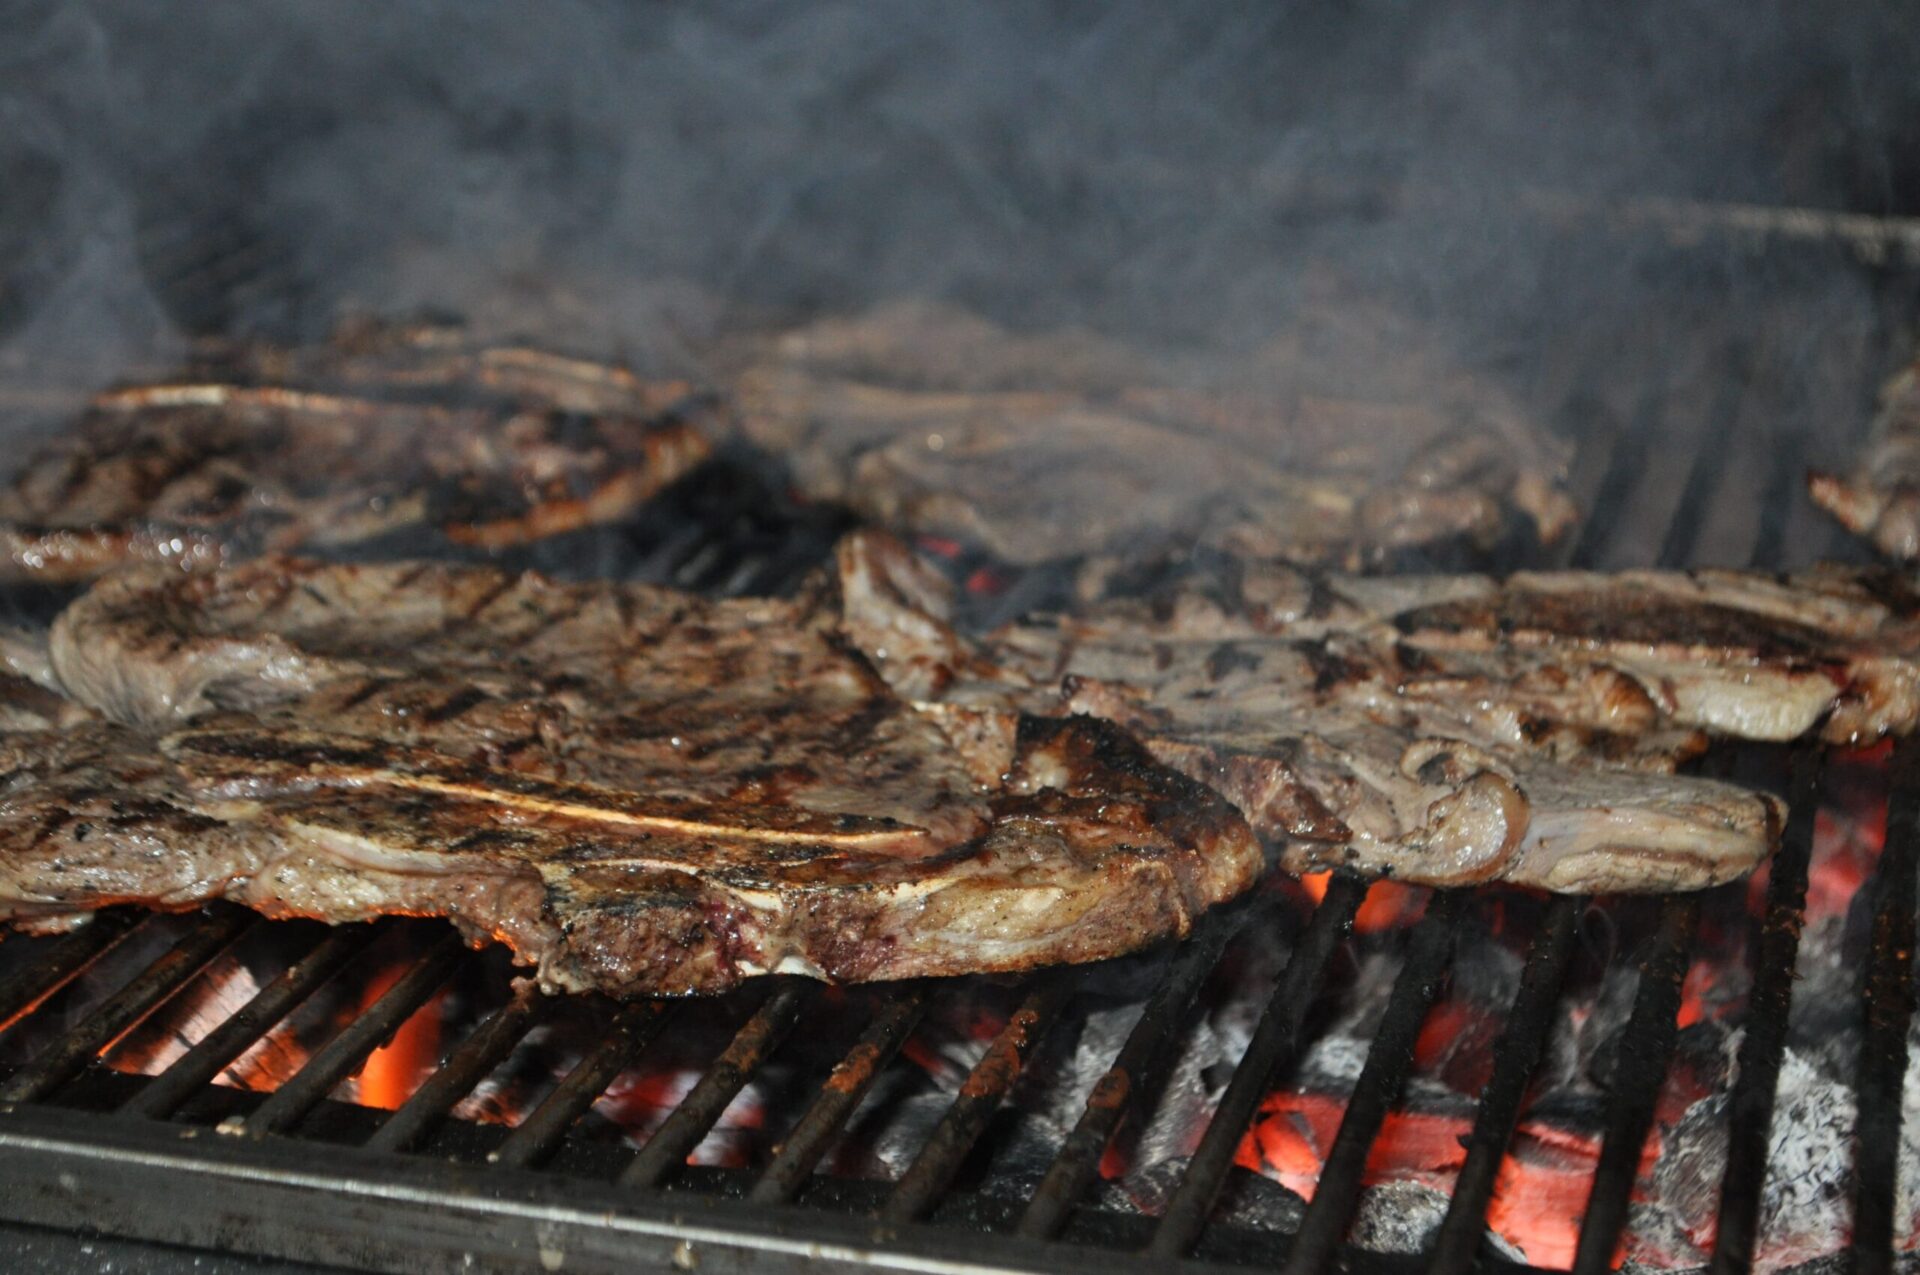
(1313, 450)
(1879, 498)
(1445, 730)
(251, 450)
(638, 790)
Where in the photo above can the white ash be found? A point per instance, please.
(1057, 1080)
(1020, 1151)
(1259, 963)
(1332, 1064)
(1655, 1239)
(1397, 1217)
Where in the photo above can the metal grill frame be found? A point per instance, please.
(253, 1185)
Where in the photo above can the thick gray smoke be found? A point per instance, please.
(652, 175)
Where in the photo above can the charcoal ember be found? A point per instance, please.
(1485, 972)
(958, 1031)
(886, 1147)
(1803, 1203)
(1057, 1080)
(197, 1009)
(1246, 1199)
(951, 1040)
(1598, 1035)
(1405, 1217)
(1693, 1163)
(1907, 1201)
(1825, 1019)
(1018, 1150)
(1657, 1240)
(1009, 1162)
(1185, 1104)
(1332, 1065)
(1256, 966)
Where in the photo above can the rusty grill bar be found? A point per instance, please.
(355, 1196)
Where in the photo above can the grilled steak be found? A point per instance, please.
(1879, 498)
(639, 791)
(250, 451)
(1442, 729)
(1327, 447)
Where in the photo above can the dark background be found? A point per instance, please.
(645, 177)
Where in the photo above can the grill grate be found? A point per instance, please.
(311, 1179)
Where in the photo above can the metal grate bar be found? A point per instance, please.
(455, 1078)
(146, 993)
(199, 1065)
(666, 559)
(1787, 445)
(1137, 1068)
(336, 1059)
(1529, 1022)
(535, 1138)
(1638, 1074)
(1626, 466)
(27, 986)
(839, 1094)
(714, 560)
(986, 1086)
(697, 1113)
(1274, 1041)
(1706, 474)
(1389, 1059)
(1889, 1009)
(1776, 948)
(787, 565)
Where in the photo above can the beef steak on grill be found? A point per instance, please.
(638, 790)
(1343, 441)
(1879, 496)
(1442, 729)
(252, 450)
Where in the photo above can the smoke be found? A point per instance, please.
(648, 177)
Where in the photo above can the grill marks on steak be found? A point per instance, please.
(1741, 654)
(638, 790)
(252, 451)
(1049, 447)
(1444, 729)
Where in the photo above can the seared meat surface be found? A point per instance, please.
(1342, 442)
(638, 790)
(1879, 497)
(252, 450)
(1445, 730)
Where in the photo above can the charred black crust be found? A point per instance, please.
(1106, 761)
(1330, 668)
(1621, 616)
(1229, 657)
